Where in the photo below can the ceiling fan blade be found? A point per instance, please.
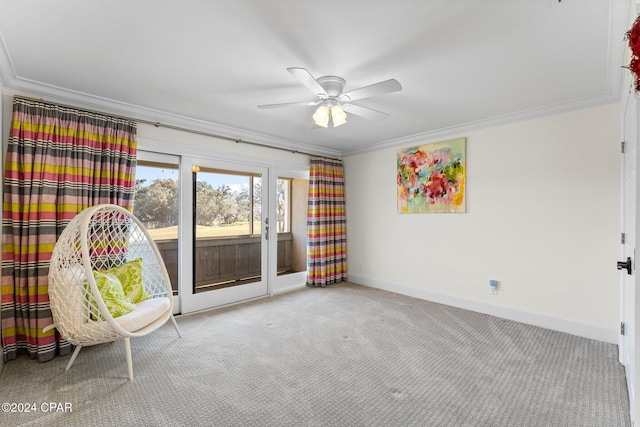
(365, 112)
(387, 86)
(308, 80)
(290, 104)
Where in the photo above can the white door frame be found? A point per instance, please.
(629, 357)
(191, 302)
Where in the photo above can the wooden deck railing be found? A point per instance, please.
(225, 261)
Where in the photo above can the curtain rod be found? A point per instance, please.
(227, 138)
(183, 129)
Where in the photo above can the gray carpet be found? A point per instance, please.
(345, 355)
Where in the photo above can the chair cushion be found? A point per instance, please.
(145, 313)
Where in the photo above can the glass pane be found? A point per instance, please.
(156, 206)
(227, 218)
(284, 205)
(222, 204)
(257, 205)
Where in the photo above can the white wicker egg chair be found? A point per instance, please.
(102, 238)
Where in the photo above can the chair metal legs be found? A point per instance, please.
(73, 357)
(127, 349)
(175, 325)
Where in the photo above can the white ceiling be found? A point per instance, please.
(207, 64)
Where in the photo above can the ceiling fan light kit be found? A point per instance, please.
(321, 116)
(333, 102)
(338, 115)
(323, 113)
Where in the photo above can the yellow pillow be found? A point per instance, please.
(130, 275)
(112, 294)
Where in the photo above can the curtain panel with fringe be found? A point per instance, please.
(59, 161)
(326, 223)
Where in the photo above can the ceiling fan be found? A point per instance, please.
(333, 101)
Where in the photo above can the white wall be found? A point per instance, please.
(172, 141)
(542, 219)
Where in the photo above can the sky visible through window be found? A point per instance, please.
(236, 182)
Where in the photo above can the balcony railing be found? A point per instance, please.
(225, 261)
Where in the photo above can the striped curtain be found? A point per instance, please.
(59, 161)
(326, 224)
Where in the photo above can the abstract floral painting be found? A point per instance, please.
(431, 178)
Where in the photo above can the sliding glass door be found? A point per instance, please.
(229, 230)
(210, 224)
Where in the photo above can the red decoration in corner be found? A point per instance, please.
(633, 35)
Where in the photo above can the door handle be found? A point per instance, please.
(626, 265)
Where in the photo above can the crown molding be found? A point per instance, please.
(457, 130)
(6, 66)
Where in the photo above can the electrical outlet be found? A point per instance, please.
(493, 285)
(361, 266)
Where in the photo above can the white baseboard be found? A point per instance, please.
(556, 323)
